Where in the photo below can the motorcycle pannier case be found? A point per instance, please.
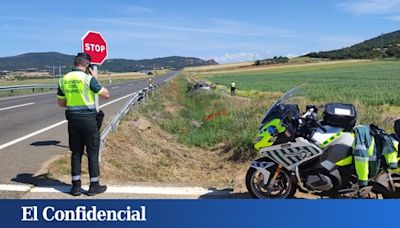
(340, 115)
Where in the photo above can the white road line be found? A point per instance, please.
(14, 187)
(16, 106)
(113, 101)
(31, 134)
(119, 189)
(132, 190)
(24, 96)
(53, 126)
(115, 87)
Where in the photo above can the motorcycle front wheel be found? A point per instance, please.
(283, 188)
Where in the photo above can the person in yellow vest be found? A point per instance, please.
(76, 92)
(233, 88)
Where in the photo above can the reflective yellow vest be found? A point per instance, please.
(76, 88)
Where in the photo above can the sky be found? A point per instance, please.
(227, 31)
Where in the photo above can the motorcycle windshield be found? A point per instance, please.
(276, 111)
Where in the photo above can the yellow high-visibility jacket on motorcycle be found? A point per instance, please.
(371, 144)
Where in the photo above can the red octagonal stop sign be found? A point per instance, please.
(95, 45)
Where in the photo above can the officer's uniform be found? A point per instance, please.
(79, 89)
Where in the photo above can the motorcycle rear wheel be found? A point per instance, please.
(283, 188)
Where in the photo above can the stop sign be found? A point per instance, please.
(95, 45)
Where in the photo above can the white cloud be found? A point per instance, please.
(249, 29)
(291, 55)
(371, 6)
(395, 18)
(134, 9)
(212, 26)
(237, 57)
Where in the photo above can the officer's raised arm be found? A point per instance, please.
(97, 88)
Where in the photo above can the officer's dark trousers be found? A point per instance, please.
(83, 132)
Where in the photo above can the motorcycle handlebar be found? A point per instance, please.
(309, 112)
(311, 109)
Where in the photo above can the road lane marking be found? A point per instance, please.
(113, 101)
(14, 187)
(54, 125)
(115, 87)
(16, 106)
(149, 190)
(132, 190)
(25, 96)
(31, 135)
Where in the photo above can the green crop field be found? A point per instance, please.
(371, 83)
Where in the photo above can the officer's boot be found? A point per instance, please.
(95, 188)
(76, 188)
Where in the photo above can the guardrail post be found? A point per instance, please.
(145, 94)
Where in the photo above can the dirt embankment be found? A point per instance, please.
(142, 152)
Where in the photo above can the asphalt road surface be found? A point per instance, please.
(33, 130)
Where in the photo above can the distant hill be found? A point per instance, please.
(175, 62)
(45, 61)
(368, 49)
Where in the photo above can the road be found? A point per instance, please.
(33, 130)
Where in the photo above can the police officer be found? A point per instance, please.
(76, 92)
(233, 88)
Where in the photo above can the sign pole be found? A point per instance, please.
(96, 97)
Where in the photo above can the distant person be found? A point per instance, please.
(76, 92)
(150, 82)
(233, 88)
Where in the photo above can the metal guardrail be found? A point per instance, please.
(27, 87)
(140, 96)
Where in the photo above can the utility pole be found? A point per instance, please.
(54, 75)
(59, 71)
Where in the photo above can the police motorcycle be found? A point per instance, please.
(301, 152)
